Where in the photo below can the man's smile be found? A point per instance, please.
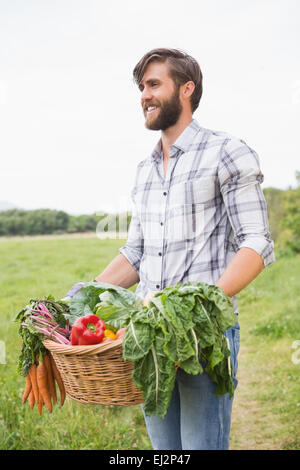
(150, 109)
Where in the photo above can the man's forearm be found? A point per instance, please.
(241, 270)
(119, 272)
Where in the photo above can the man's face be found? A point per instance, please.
(160, 97)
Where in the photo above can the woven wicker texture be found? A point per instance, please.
(96, 374)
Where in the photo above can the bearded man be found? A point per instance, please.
(199, 214)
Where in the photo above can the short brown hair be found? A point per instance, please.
(182, 68)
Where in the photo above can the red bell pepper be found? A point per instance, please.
(87, 330)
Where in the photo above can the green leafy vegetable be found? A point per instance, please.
(182, 325)
(115, 301)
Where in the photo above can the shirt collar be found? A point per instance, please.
(182, 142)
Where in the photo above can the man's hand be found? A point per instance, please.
(148, 298)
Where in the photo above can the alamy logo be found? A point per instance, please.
(185, 222)
(296, 353)
(113, 225)
(2, 353)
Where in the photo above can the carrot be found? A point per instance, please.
(32, 374)
(31, 399)
(59, 381)
(28, 388)
(40, 404)
(42, 380)
(50, 376)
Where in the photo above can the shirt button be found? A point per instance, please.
(157, 286)
(159, 254)
(165, 193)
(161, 223)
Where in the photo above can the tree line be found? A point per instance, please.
(284, 217)
(283, 209)
(49, 221)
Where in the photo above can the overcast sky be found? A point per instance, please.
(71, 126)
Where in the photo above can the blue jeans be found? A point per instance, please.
(196, 417)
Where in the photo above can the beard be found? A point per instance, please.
(168, 114)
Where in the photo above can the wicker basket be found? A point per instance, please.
(96, 374)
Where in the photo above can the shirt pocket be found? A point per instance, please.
(199, 195)
(200, 190)
(186, 212)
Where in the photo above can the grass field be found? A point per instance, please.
(266, 411)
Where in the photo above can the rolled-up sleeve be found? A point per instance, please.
(134, 248)
(240, 180)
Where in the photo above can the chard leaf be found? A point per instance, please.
(84, 301)
(155, 375)
(191, 365)
(223, 305)
(137, 341)
(216, 356)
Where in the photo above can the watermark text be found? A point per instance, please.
(2, 353)
(296, 353)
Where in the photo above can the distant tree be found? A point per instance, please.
(275, 205)
(83, 223)
(61, 221)
(291, 219)
(3, 227)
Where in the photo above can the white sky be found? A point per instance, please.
(71, 126)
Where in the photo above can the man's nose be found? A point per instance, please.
(146, 95)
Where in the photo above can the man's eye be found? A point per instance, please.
(152, 84)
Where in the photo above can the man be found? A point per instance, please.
(199, 214)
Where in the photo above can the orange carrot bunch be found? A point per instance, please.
(40, 384)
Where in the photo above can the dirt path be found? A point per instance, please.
(252, 427)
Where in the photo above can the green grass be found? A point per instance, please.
(270, 323)
(269, 318)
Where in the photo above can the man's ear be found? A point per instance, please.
(188, 89)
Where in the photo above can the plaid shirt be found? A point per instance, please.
(188, 225)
